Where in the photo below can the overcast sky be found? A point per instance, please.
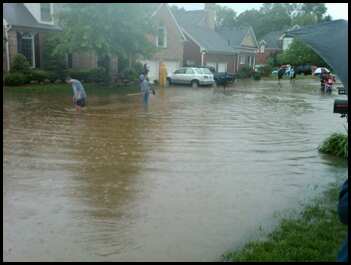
(336, 10)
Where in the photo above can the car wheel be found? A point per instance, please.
(194, 84)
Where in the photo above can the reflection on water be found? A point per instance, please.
(189, 178)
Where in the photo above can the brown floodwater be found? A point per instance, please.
(187, 179)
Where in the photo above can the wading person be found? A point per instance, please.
(292, 75)
(79, 95)
(145, 89)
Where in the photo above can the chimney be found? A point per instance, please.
(210, 15)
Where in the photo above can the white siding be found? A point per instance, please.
(286, 43)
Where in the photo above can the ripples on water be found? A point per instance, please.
(192, 176)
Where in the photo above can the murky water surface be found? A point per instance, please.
(189, 178)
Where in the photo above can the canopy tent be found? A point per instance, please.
(328, 40)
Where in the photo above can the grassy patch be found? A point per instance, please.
(336, 144)
(314, 235)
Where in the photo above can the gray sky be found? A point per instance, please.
(336, 10)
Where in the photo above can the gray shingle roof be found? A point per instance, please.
(234, 36)
(272, 39)
(210, 40)
(224, 40)
(17, 15)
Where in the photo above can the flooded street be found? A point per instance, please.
(189, 178)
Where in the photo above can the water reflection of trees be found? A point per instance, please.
(111, 150)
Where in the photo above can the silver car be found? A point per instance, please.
(191, 76)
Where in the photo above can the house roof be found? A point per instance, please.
(18, 16)
(235, 35)
(158, 8)
(224, 40)
(210, 40)
(272, 39)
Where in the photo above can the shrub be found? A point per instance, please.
(130, 74)
(89, 75)
(336, 144)
(266, 70)
(256, 76)
(138, 67)
(82, 75)
(15, 79)
(38, 75)
(98, 75)
(20, 64)
(245, 72)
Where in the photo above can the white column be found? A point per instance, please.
(202, 58)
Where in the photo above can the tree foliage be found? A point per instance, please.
(110, 28)
(274, 16)
(298, 54)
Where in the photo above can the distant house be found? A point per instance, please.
(25, 26)
(169, 42)
(190, 38)
(273, 43)
(225, 49)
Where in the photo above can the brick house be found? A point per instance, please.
(25, 26)
(190, 38)
(273, 43)
(226, 50)
(168, 41)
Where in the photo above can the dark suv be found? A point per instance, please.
(305, 69)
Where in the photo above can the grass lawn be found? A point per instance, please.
(315, 234)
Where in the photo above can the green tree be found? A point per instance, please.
(225, 17)
(106, 29)
(299, 53)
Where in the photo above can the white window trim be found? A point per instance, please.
(165, 37)
(262, 48)
(51, 14)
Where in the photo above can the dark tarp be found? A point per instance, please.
(328, 40)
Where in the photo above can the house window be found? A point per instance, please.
(161, 38)
(45, 12)
(242, 59)
(25, 46)
(262, 49)
(189, 71)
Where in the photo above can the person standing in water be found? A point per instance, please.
(79, 95)
(292, 75)
(144, 88)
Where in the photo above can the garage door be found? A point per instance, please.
(153, 69)
(171, 66)
(222, 67)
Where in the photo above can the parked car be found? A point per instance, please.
(192, 76)
(305, 69)
(221, 78)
